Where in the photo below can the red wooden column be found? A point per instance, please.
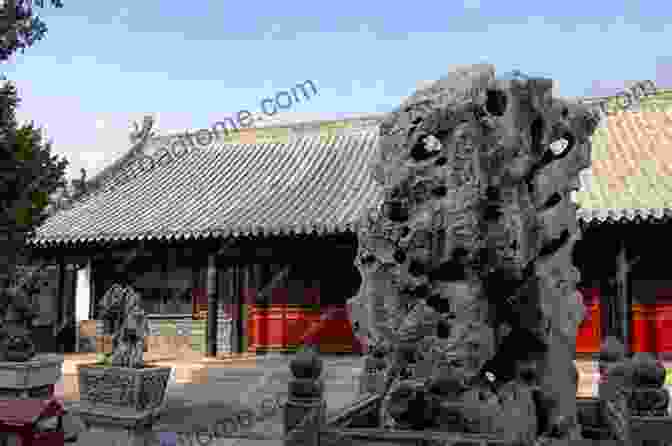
(211, 287)
(623, 294)
(663, 322)
(589, 336)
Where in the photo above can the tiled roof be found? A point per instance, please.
(632, 165)
(316, 179)
(310, 183)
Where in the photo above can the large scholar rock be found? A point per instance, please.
(473, 241)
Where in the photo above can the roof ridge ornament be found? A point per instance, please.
(141, 133)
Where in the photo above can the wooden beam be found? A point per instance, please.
(227, 246)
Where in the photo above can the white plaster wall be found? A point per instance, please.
(83, 293)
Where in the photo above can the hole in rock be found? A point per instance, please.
(397, 211)
(441, 161)
(416, 268)
(501, 284)
(399, 256)
(547, 158)
(441, 306)
(460, 254)
(492, 193)
(553, 200)
(570, 141)
(519, 345)
(368, 259)
(443, 134)
(450, 271)
(419, 151)
(558, 146)
(496, 102)
(443, 330)
(405, 231)
(555, 244)
(440, 191)
(421, 291)
(565, 113)
(536, 135)
(492, 212)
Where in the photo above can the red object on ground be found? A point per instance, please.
(588, 337)
(20, 416)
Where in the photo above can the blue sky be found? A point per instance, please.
(104, 64)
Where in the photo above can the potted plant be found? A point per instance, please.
(122, 378)
(23, 373)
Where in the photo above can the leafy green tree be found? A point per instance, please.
(20, 27)
(29, 173)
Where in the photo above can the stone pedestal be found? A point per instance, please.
(34, 379)
(109, 425)
(305, 410)
(31, 379)
(119, 405)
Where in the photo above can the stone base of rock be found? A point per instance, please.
(111, 425)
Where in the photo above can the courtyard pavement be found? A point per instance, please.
(223, 391)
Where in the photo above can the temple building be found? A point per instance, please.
(246, 243)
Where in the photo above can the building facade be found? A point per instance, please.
(247, 244)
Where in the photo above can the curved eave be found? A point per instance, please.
(624, 216)
(297, 230)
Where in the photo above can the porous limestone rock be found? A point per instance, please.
(472, 246)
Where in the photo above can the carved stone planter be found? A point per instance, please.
(30, 379)
(121, 404)
(139, 389)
